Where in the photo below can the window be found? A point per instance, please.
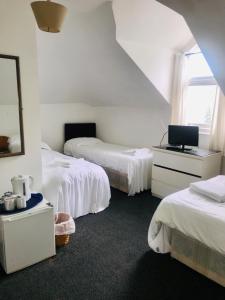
(201, 92)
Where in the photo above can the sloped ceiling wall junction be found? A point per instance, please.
(206, 20)
(151, 34)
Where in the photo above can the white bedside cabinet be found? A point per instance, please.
(173, 171)
(27, 237)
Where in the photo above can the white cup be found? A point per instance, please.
(10, 203)
(21, 202)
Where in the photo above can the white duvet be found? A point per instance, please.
(74, 185)
(136, 163)
(194, 215)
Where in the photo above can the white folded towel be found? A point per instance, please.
(64, 163)
(213, 188)
(137, 152)
(142, 151)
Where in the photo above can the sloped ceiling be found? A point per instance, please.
(148, 22)
(82, 5)
(84, 63)
(151, 34)
(206, 20)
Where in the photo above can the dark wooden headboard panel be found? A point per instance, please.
(76, 130)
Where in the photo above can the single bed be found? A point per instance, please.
(191, 227)
(129, 170)
(74, 185)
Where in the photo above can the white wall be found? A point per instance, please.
(155, 61)
(89, 67)
(84, 63)
(17, 33)
(129, 126)
(135, 127)
(54, 116)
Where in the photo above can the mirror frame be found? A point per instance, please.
(20, 107)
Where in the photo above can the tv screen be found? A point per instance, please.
(183, 135)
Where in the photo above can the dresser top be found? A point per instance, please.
(196, 152)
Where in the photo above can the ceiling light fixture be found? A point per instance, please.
(49, 15)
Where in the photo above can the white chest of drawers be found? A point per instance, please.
(173, 171)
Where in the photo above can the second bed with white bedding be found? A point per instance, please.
(195, 215)
(74, 185)
(136, 163)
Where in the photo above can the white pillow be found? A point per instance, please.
(83, 141)
(45, 146)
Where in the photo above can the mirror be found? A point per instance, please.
(11, 123)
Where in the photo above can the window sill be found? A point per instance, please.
(204, 133)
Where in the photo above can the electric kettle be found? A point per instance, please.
(22, 185)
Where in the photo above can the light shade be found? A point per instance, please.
(49, 15)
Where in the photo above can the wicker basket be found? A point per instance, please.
(62, 240)
(64, 226)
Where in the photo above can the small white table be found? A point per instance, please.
(173, 171)
(27, 237)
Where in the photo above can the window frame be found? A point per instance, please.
(202, 81)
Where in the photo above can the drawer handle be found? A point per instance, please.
(178, 171)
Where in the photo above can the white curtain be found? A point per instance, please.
(180, 82)
(217, 135)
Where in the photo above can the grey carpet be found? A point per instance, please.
(109, 258)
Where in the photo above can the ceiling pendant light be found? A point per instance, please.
(49, 15)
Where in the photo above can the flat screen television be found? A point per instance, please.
(183, 136)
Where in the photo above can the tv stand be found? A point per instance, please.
(174, 170)
(178, 149)
(193, 151)
(185, 149)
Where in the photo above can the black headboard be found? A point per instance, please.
(76, 130)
